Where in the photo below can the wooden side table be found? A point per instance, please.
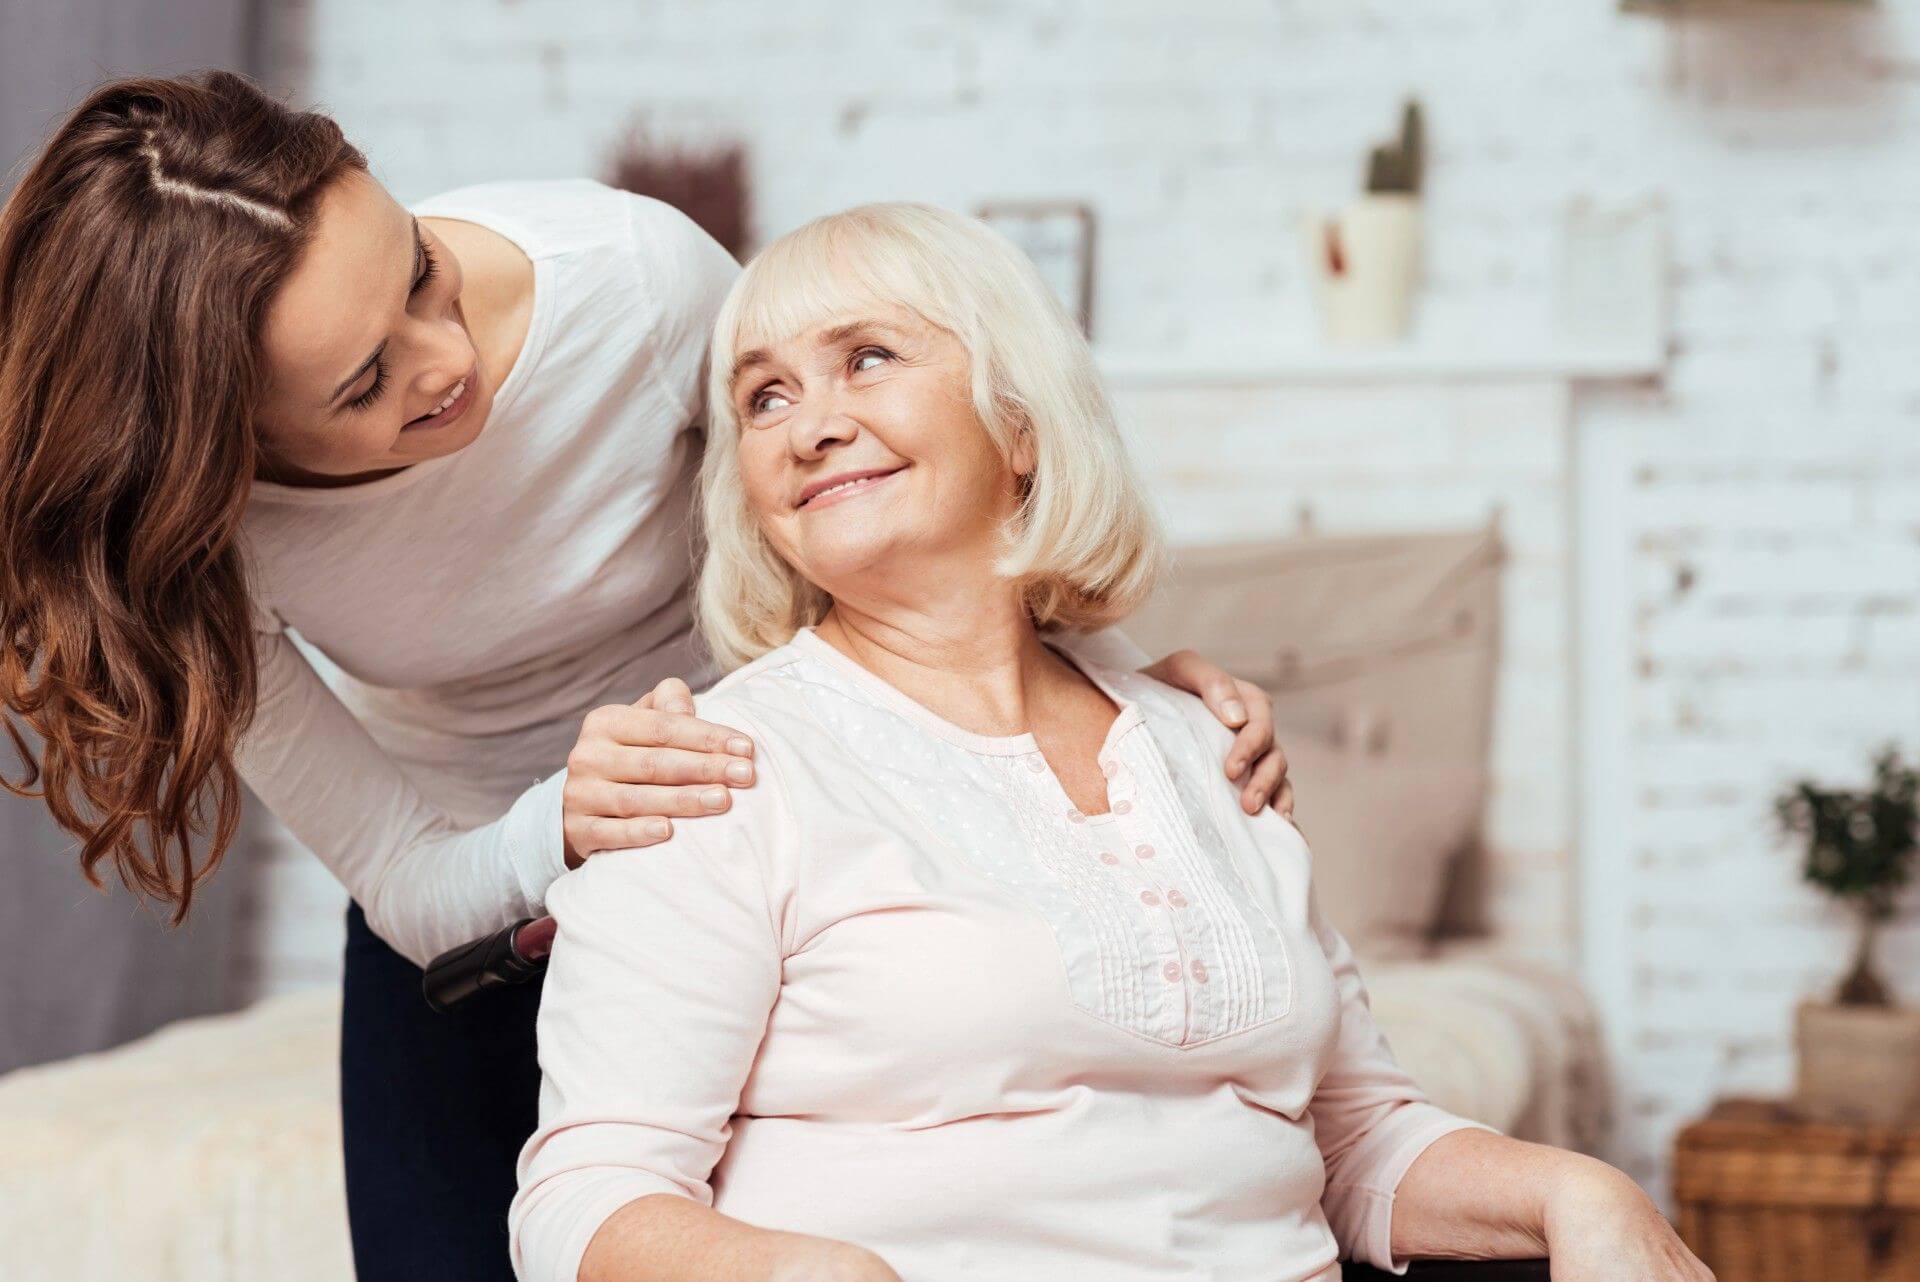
(1765, 1197)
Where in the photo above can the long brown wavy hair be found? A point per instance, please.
(138, 257)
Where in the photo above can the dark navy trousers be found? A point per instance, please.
(434, 1109)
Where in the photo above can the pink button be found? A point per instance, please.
(1172, 971)
(1199, 969)
(1150, 899)
(1076, 817)
(1109, 859)
(1122, 807)
(1143, 851)
(1036, 763)
(1177, 899)
(1110, 768)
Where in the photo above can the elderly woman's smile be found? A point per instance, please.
(833, 489)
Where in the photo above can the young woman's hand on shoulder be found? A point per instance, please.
(637, 767)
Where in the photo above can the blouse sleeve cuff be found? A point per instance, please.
(552, 1228)
(536, 840)
(1359, 1199)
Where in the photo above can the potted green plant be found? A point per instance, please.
(1859, 1054)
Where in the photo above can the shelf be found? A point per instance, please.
(1725, 8)
(1414, 363)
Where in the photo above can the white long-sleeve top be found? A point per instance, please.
(904, 994)
(477, 606)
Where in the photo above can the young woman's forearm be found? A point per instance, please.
(664, 1238)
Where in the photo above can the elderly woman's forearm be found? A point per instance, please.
(665, 1238)
(1478, 1195)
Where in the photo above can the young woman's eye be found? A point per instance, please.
(869, 357)
(429, 268)
(372, 394)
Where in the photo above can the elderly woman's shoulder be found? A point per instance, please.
(767, 698)
(760, 684)
(1166, 707)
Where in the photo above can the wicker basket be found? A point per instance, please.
(1766, 1198)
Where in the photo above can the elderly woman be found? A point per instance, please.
(989, 976)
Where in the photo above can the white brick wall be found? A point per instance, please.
(1776, 472)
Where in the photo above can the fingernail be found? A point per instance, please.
(656, 828)
(740, 746)
(739, 772)
(1234, 710)
(714, 798)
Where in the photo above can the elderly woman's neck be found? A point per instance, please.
(981, 665)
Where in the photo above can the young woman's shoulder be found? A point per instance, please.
(562, 216)
(623, 267)
(546, 218)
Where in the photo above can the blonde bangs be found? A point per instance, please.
(827, 270)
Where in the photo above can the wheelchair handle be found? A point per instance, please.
(510, 956)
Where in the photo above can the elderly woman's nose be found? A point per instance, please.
(817, 425)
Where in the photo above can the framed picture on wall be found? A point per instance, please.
(1058, 236)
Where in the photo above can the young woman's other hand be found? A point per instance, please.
(1255, 761)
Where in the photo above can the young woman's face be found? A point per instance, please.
(860, 451)
(370, 365)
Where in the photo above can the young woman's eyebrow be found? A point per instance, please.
(413, 274)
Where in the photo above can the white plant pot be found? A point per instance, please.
(1857, 1065)
(1364, 261)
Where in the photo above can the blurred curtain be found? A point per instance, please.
(86, 970)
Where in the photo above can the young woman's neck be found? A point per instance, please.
(978, 663)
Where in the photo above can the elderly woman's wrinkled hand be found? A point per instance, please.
(1603, 1228)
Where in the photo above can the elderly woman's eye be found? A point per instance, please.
(868, 357)
(766, 399)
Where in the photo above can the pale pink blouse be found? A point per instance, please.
(904, 994)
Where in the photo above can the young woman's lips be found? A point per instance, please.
(849, 489)
(468, 386)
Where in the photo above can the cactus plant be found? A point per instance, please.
(1397, 168)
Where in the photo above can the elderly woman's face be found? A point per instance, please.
(860, 451)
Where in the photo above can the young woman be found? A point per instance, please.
(244, 395)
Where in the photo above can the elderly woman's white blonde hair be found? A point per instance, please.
(1083, 545)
